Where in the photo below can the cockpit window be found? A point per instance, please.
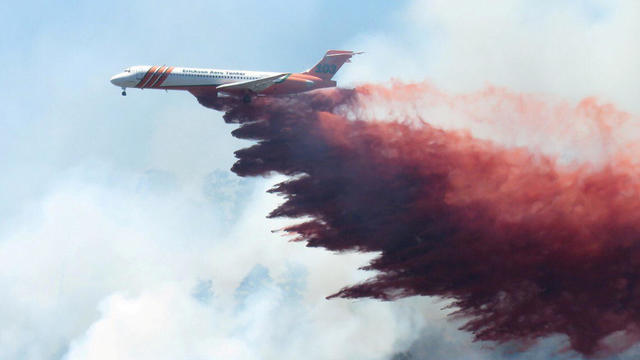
(127, 70)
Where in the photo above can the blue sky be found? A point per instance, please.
(114, 205)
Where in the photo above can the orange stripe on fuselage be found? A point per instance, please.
(147, 76)
(162, 78)
(154, 77)
(297, 83)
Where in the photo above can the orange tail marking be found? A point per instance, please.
(330, 63)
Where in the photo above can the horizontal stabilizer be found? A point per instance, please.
(349, 54)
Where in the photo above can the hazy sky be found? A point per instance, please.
(61, 111)
(124, 235)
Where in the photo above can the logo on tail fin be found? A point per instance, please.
(326, 68)
(331, 63)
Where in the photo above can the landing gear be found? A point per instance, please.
(124, 91)
(246, 98)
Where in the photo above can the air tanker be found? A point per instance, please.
(208, 83)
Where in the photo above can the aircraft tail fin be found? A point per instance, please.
(331, 63)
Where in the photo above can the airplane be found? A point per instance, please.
(208, 83)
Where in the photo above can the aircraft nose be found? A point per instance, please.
(117, 79)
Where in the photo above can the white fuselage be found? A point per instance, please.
(206, 84)
(162, 77)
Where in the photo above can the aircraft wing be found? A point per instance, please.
(255, 86)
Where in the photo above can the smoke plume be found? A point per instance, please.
(525, 214)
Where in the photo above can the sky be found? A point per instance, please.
(123, 234)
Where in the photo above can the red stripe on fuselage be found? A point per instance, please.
(154, 77)
(163, 78)
(146, 76)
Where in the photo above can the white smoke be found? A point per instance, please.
(136, 267)
(571, 49)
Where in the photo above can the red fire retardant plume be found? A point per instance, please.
(523, 246)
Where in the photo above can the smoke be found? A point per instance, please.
(571, 49)
(137, 267)
(472, 199)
